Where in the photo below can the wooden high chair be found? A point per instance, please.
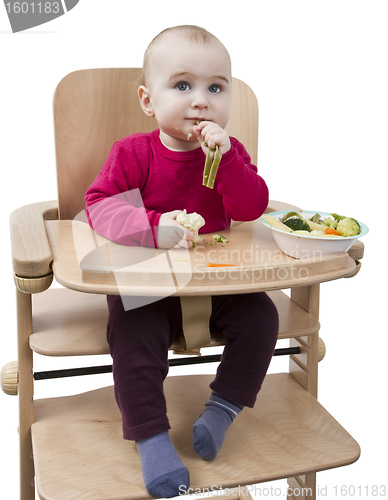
(76, 441)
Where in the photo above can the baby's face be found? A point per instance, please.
(188, 81)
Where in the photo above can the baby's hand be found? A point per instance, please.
(171, 234)
(210, 134)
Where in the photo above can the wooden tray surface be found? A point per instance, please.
(88, 262)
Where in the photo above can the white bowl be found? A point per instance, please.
(304, 246)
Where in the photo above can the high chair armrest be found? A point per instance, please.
(31, 251)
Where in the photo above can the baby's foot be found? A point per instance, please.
(163, 471)
(210, 428)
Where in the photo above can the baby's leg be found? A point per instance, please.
(139, 340)
(250, 325)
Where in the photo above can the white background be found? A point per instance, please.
(319, 70)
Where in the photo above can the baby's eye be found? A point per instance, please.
(215, 88)
(182, 86)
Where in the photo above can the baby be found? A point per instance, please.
(187, 88)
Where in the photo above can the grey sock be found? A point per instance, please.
(210, 428)
(164, 473)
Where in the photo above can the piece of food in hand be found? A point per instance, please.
(213, 159)
(191, 221)
(212, 163)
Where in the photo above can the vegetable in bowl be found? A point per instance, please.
(323, 237)
(348, 227)
(295, 222)
(329, 227)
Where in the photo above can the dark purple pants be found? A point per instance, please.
(139, 340)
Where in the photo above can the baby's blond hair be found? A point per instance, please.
(190, 32)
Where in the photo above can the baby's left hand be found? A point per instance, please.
(212, 134)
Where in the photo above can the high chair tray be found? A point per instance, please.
(85, 261)
(79, 451)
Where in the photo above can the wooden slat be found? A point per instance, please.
(304, 366)
(79, 451)
(68, 323)
(26, 394)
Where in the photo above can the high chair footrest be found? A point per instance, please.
(79, 451)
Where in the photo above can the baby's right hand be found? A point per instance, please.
(171, 234)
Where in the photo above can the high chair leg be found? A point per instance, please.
(304, 368)
(26, 394)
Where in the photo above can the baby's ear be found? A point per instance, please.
(145, 100)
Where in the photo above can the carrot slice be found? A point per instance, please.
(212, 264)
(330, 230)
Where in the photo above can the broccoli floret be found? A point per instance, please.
(348, 227)
(219, 238)
(297, 224)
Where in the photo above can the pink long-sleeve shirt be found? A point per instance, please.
(141, 179)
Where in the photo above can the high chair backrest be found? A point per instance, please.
(94, 108)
